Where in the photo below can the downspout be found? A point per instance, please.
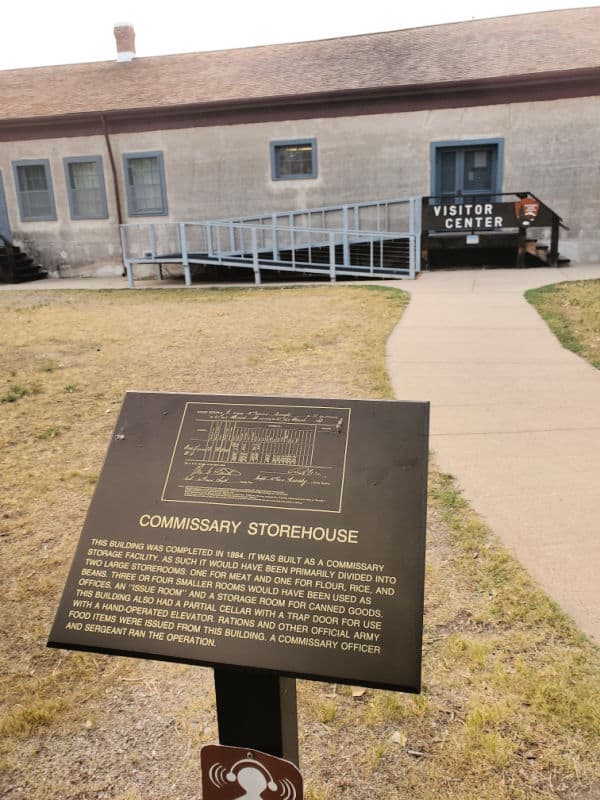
(113, 168)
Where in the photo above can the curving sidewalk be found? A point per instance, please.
(514, 417)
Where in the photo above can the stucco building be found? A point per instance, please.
(487, 106)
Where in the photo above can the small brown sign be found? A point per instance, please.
(527, 209)
(237, 773)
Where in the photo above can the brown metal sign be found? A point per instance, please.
(471, 215)
(237, 773)
(268, 533)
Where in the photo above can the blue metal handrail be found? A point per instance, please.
(281, 247)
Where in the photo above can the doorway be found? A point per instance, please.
(466, 168)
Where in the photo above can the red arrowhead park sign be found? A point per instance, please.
(527, 209)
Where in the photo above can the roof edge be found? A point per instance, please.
(527, 87)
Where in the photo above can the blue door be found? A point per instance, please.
(4, 222)
(466, 171)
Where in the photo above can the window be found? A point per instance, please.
(145, 182)
(33, 183)
(466, 168)
(85, 187)
(294, 159)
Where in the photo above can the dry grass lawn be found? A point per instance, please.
(572, 311)
(511, 706)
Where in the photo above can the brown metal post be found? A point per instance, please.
(553, 254)
(521, 246)
(257, 710)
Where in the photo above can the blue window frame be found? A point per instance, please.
(467, 168)
(145, 184)
(33, 185)
(84, 176)
(294, 159)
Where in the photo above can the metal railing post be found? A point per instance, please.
(218, 253)
(332, 257)
(153, 241)
(209, 243)
(293, 244)
(242, 237)
(129, 270)
(274, 238)
(416, 205)
(346, 242)
(153, 249)
(255, 257)
(184, 254)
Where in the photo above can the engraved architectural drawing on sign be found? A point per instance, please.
(271, 456)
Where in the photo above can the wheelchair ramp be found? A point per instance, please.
(376, 239)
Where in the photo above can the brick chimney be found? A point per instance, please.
(125, 37)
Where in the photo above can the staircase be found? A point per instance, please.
(498, 250)
(536, 255)
(16, 266)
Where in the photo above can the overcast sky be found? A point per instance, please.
(37, 33)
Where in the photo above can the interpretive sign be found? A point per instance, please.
(276, 534)
(227, 771)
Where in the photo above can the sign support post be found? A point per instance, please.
(258, 711)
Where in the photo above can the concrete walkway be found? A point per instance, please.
(514, 417)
